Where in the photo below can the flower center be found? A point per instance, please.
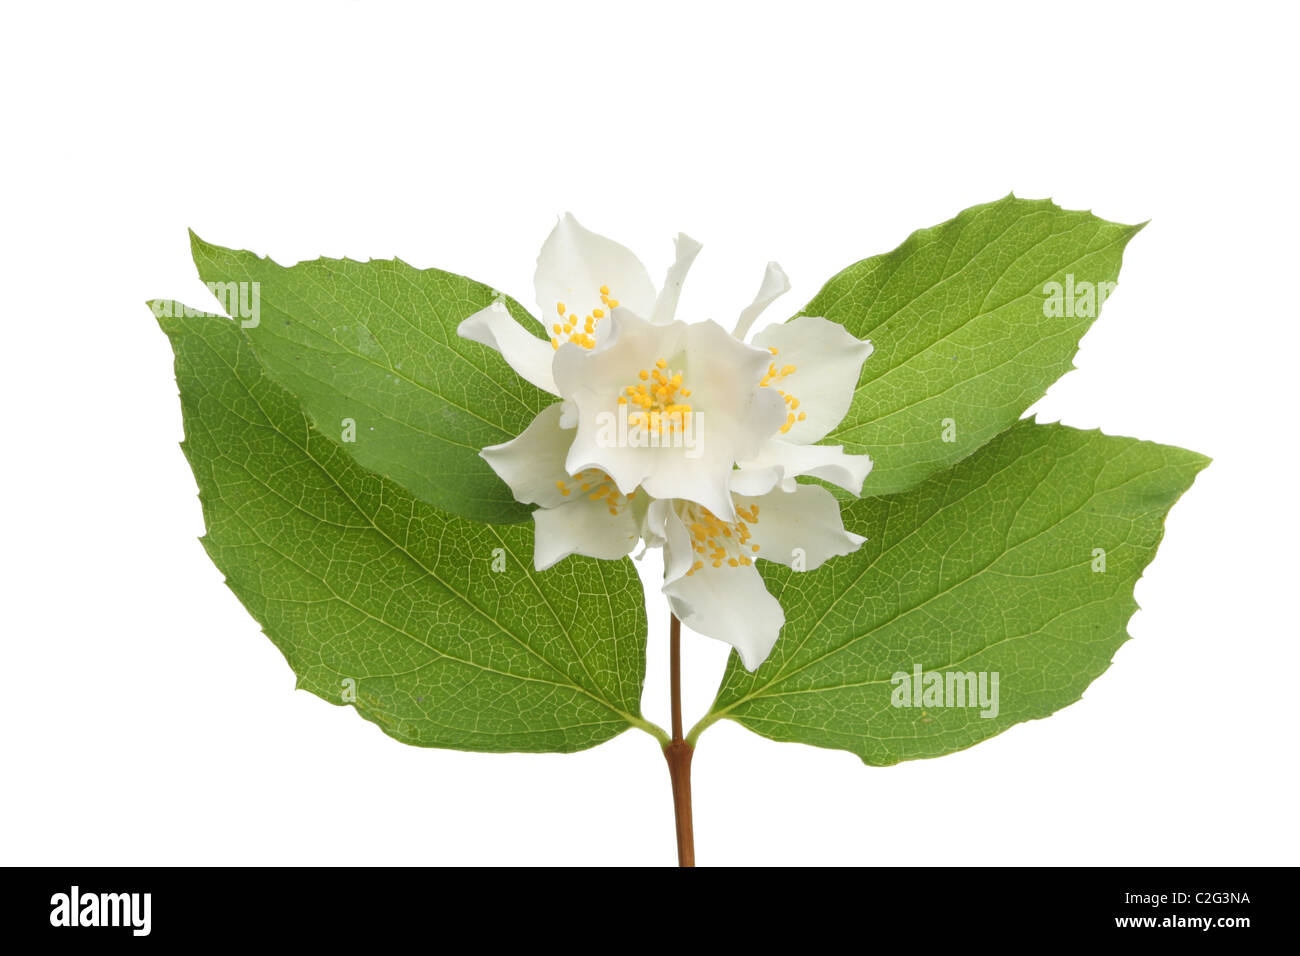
(580, 331)
(658, 398)
(721, 542)
(771, 379)
(597, 486)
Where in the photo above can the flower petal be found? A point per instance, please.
(576, 263)
(731, 605)
(801, 526)
(728, 604)
(705, 478)
(666, 305)
(723, 371)
(664, 529)
(775, 284)
(524, 352)
(826, 362)
(753, 478)
(828, 462)
(582, 526)
(569, 416)
(533, 463)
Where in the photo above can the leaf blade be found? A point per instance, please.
(375, 342)
(956, 314)
(933, 587)
(355, 579)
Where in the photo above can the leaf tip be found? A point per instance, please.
(160, 315)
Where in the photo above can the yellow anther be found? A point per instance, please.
(599, 486)
(604, 290)
(770, 379)
(559, 307)
(598, 313)
(720, 542)
(660, 399)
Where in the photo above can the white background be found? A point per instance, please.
(146, 720)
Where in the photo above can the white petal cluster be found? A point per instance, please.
(681, 435)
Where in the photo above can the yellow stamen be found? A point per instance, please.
(720, 542)
(582, 331)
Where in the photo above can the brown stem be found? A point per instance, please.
(679, 753)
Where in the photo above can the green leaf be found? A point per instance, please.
(990, 567)
(375, 343)
(962, 342)
(369, 591)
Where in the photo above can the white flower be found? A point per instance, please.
(679, 434)
(709, 573)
